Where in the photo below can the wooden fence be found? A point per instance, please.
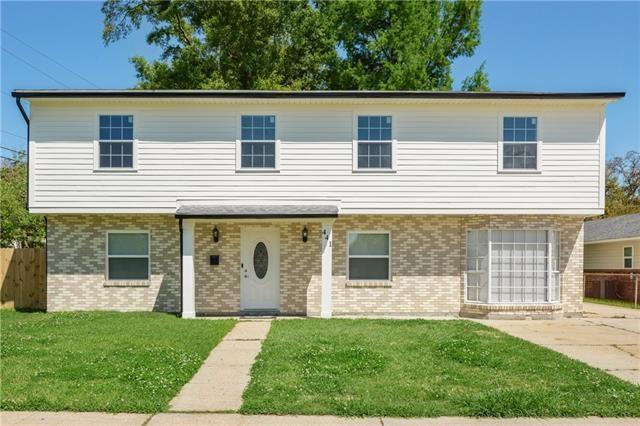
(23, 274)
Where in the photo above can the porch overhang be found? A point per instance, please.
(238, 211)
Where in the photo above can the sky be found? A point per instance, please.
(537, 46)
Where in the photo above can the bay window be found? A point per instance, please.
(512, 266)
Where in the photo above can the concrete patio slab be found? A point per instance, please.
(220, 382)
(607, 338)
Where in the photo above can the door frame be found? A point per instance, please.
(244, 230)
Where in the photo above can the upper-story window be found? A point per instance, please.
(258, 141)
(116, 141)
(520, 143)
(374, 142)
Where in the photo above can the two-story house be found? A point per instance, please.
(316, 203)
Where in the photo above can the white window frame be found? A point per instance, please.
(369, 257)
(108, 256)
(627, 257)
(550, 269)
(96, 145)
(501, 142)
(239, 168)
(394, 142)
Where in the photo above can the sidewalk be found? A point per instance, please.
(195, 419)
(220, 382)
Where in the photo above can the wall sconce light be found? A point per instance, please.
(305, 234)
(216, 234)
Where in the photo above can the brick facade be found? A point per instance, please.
(76, 264)
(427, 263)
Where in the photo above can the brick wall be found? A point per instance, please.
(76, 264)
(427, 262)
(614, 284)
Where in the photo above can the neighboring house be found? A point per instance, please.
(316, 203)
(611, 255)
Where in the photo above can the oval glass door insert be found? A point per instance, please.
(260, 260)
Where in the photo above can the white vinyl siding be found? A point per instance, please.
(446, 160)
(127, 255)
(513, 266)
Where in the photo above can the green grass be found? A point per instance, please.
(424, 368)
(100, 361)
(618, 303)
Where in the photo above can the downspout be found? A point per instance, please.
(26, 120)
(180, 227)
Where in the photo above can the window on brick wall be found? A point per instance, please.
(512, 266)
(127, 255)
(369, 256)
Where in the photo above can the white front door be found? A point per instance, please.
(259, 269)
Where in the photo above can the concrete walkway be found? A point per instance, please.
(607, 337)
(220, 382)
(195, 419)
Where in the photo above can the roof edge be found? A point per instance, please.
(317, 94)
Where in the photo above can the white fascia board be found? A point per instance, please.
(613, 240)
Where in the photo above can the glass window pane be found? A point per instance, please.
(105, 121)
(269, 161)
(270, 134)
(385, 149)
(531, 136)
(628, 251)
(518, 150)
(508, 122)
(105, 161)
(385, 134)
(128, 243)
(530, 150)
(258, 161)
(530, 163)
(363, 134)
(269, 148)
(363, 121)
(246, 121)
(628, 262)
(518, 163)
(368, 269)
(246, 161)
(116, 134)
(105, 133)
(368, 244)
(127, 121)
(374, 134)
(127, 161)
(386, 122)
(258, 134)
(127, 133)
(374, 122)
(116, 148)
(104, 148)
(508, 135)
(116, 121)
(507, 149)
(532, 122)
(245, 134)
(519, 135)
(507, 163)
(385, 162)
(519, 122)
(116, 161)
(127, 148)
(128, 268)
(363, 162)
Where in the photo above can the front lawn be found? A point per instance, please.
(100, 361)
(617, 303)
(424, 368)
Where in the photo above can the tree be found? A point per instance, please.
(19, 227)
(226, 44)
(400, 45)
(478, 82)
(622, 190)
(300, 44)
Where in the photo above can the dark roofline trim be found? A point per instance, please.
(337, 94)
(257, 216)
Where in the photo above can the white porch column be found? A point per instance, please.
(325, 295)
(188, 270)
